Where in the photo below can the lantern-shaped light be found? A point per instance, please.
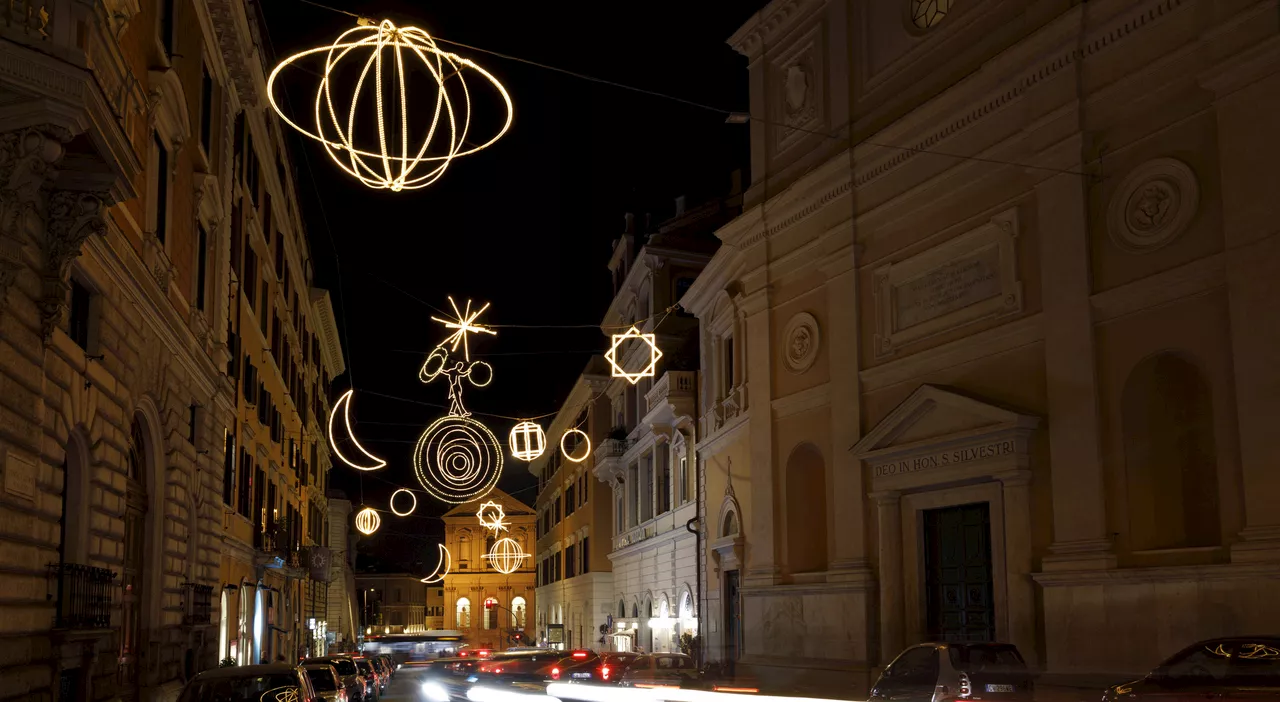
(368, 521)
(527, 440)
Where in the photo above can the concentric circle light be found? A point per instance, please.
(401, 156)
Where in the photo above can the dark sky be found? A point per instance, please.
(526, 224)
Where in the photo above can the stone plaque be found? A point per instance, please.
(956, 285)
(19, 476)
(967, 278)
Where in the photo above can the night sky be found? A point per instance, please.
(526, 224)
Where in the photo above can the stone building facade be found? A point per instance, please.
(575, 520)
(392, 603)
(487, 608)
(1002, 296)
(118, 195)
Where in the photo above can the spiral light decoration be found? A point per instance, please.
(388, 52)
(457, 459)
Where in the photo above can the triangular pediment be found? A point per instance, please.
(510, 505)
(933, 414)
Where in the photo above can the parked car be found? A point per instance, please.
(529, 665)
(372, 679)
(250, 683)
(352, 681)
(1232, 669)
(389, 663)
(665, 669)
(934, 672)
(328, 685)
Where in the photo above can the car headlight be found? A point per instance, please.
(434, 692)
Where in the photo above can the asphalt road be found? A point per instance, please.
(406, 686)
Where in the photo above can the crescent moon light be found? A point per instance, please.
(344, 404)
(445, 560)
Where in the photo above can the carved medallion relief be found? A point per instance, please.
(801, 342)
(1153, 205)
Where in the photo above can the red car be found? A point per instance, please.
(1234, 669)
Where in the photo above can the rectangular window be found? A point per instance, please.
(664, 482)
(728, 366)
(228, 468)
(202, 264)
(206, 111)
(168, 37)
(618, 515)
(632, 486)
(250, 281)
(569, 561)
(78, 316)
(160, 208)
(570, 500)
(646, 500)
(192, 417)
(586, 557)
(684, 479)
(243, 484)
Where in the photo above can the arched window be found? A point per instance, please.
(464, 613)
(1170, 456)
(664, 610)
(730, 527)
(806, 510)
(635, 610)
(517, 612)
(622, 609)
(686, 605)
(224, 625)
(490, 612)
(133, 596)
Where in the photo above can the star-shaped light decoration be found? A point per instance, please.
(492, 516)
(464, 323)
(617, 371)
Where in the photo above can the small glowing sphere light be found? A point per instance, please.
(527, 440)
(368, 521)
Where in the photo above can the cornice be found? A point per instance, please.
(1201, 573)
(768, 24)
(327, 327)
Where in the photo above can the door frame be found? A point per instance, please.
(913, 508)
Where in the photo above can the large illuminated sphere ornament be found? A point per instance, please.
(457, 459)
(615, 363)
(527, 441)
(367, 521)
(413, 504)
(506, 556)
(582, 437)
(370, 124)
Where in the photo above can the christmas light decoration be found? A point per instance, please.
(615, 363)
(506, 556)
(344, 405)
(527, 441)
(367, 521)
(586, 442)
(442, 566)
(492, 516)
(390, 164)
(392, 503)
(457, 458)
(280, 694)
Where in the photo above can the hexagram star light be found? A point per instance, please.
(617, 371)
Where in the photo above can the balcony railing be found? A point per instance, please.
(199, 603)
(82, 594)
(672, 385)
(28, 16)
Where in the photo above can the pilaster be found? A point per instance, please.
(889, 519)
(762, 563)
(1021, 596)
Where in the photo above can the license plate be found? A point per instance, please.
(1000, 688)
(581, 676)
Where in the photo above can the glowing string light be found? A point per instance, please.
(586, 441)
(615, 364)
(506, 556)
(442, 566)
(492, 516)
(392, 503)
(344, 404)
(367, 521)
(527, 441)
(381, 167)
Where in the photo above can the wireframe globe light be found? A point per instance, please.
(506, 556)
(370, 124)
(367, 521)
(527, 441)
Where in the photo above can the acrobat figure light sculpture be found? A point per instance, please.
(458, 459)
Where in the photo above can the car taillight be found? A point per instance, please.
(966, 689)
(579, 654)
(555, 673)
(604, 672)
(747, 690)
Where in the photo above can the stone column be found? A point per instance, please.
(889, 516)
(1249, 214)
(849, 556)
(762, 552)
(1021, 596)
(1080, 539)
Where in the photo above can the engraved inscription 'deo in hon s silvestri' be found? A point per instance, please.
(956, 285)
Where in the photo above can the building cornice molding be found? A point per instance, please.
(327, 328)
(767, 25)
(1170, 574)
